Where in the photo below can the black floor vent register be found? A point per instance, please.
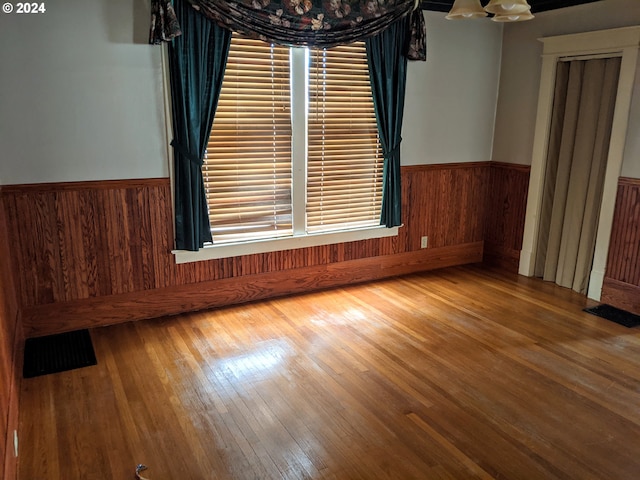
(58, 353)
(614, 314)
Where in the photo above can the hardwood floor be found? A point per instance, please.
(454, 374)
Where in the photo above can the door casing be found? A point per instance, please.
(623, 42)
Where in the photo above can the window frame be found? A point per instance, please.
(300, 238)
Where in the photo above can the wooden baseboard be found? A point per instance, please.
(10, 459)
(503, 257)
(621, 295)
(107, 310)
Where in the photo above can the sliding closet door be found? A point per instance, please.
(581, 123)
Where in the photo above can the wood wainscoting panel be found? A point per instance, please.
(623, 261)
(10, 357)
(89, 243)
(95, 312)
(445, 202)
(95, 240)
(506, 208)
(621, 287)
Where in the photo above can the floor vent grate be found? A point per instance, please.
(614, 314)
(58, 353)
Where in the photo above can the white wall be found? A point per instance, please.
(451, 98)
(80, 94)
(81, 91)
(520, 76)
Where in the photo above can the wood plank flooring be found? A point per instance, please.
(461, 373)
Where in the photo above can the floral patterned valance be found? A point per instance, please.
(164, 23)
(319, 23)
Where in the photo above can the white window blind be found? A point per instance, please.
(249, 172)
(345, 162)
(247, 167)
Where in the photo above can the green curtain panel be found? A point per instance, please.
(388, 74)
(197, 60)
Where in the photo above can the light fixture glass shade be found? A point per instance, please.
(507, 7)
(466, 9)
(516, 17)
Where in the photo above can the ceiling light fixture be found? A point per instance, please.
(503, 10)
(513, 17)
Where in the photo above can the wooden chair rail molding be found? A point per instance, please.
(54, 187)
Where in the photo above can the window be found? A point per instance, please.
(247, 166)
(344, 157)
(294, 149)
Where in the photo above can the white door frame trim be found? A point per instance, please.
(624, 42)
